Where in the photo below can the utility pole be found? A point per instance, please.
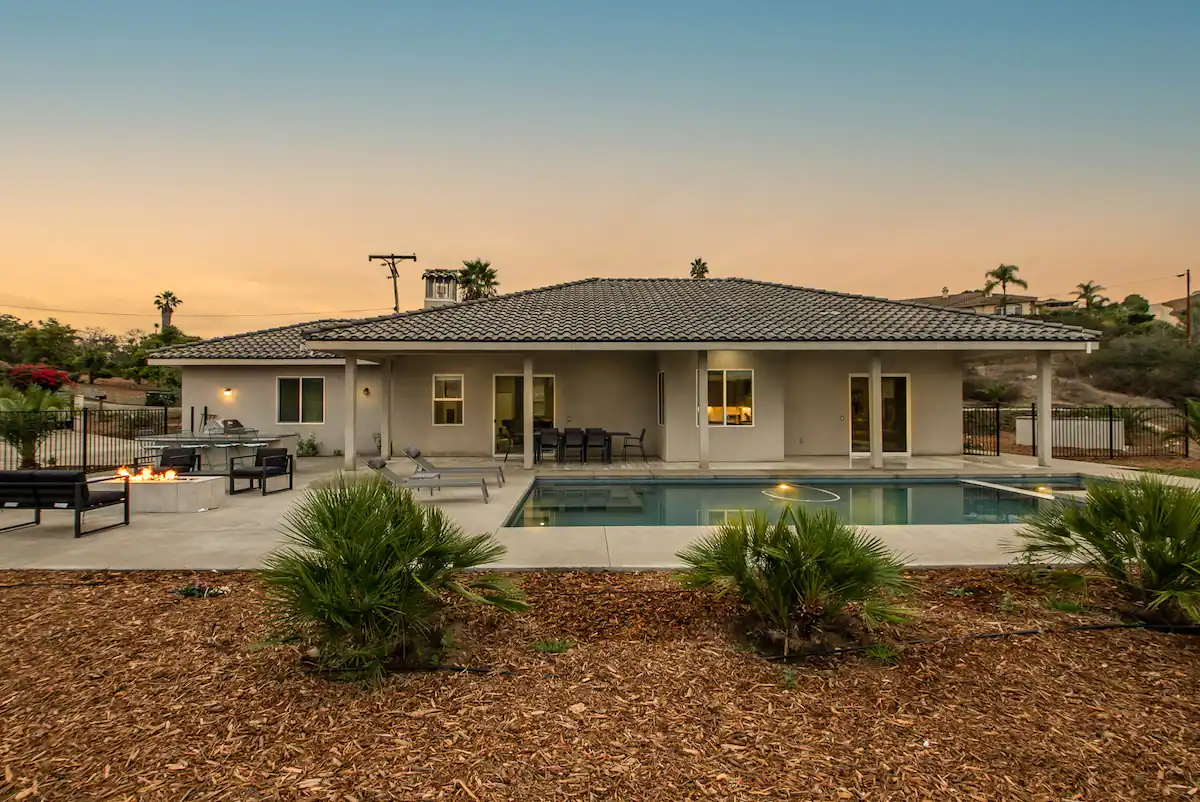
(390, 260)
(1187, 302)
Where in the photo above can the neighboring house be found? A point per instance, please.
(1175, 308)
(774, 371)
(984, 303)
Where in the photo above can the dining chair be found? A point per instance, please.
(574, 439)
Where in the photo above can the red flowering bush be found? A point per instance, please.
(25, 376)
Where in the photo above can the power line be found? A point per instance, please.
(187, 314)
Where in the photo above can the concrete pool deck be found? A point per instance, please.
(246, 527)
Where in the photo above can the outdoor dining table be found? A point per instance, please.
(222, 441)
(559, 453)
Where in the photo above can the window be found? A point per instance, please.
(300, 400)
(447, 399)
(662, 398)
(1011, 309)
(730, 397)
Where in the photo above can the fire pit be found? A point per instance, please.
(168, 491)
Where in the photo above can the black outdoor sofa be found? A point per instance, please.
(268, 463)
(60, 490)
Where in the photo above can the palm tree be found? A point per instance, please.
(699, 268)
(1089, 293)
(477, 279)
(29, 417)
(1002, 276)
(166, 302)
(367, 574)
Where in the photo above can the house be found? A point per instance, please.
(771, 371)
(985, 303)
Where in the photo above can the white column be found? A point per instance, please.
(1045, 409)
(385, 414)
(350, 411)
(875, 400)
(527, 413)
(702, 405)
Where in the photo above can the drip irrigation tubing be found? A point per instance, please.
(1172, 629)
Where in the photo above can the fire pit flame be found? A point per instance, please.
(147, 474)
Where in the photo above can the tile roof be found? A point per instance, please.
(691, 310)
(281, 342)
(970, 300)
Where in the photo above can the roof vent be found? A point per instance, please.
(945, 292)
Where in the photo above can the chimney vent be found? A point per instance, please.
(441, 288)
(945, 292)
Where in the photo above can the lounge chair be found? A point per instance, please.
(432, 481)
(425, 466)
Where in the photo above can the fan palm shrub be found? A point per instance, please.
(801, 574)
(367, 572)
(27, 417)
(1144, 535)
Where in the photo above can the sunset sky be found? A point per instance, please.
(249, 155)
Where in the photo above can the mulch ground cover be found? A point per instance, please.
(111, 687)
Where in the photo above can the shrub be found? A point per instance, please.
(800, 575)
(26, 418)
(308, 446)
(995, 392)
(366, 572)
(23, 377)
(1144, 535)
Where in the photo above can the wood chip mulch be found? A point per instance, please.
(111, 687)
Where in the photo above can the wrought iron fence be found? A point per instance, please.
(981, 430)
(1095, 432)
(82, 439)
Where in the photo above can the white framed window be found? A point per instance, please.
(448, 399)
(1011, 309)
(299, 399)
(662, 398)
(729, 397)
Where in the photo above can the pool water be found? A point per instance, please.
(705, 502)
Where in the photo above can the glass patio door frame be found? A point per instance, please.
(520, 377)
(850, 413)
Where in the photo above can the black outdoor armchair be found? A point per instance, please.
(268, 463)
(180, 460)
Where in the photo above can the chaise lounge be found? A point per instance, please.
(432, 481)
(425, 466)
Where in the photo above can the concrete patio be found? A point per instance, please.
(247, 527)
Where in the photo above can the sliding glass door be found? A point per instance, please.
(895, 415)
(508, 408)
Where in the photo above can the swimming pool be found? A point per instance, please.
(709, 501)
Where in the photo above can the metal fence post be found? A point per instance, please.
(1187, 435)
(1111, 448)
(1033, 424)
(84, 412)
(997, 429)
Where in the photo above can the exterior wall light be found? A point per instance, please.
(227, 392)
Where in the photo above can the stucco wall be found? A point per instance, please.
(761, 442)
(610, 390)
(818, 400)
(253, 401)
(801, 400)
